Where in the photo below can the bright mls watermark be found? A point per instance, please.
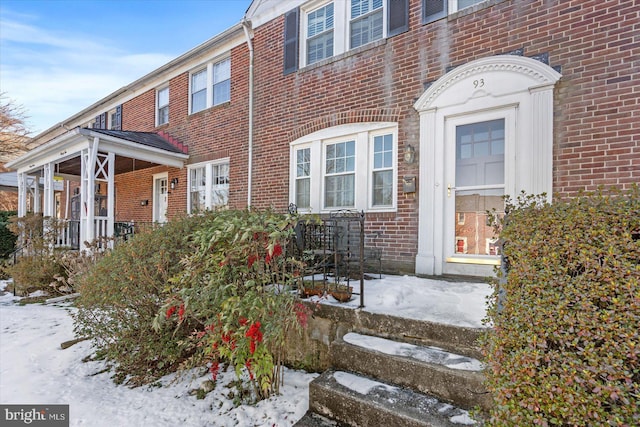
(34, 415)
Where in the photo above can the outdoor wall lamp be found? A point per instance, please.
(174, 183)
(144, 202)
(409, 154)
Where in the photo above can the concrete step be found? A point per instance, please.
(355, 400)
(457, 339)
(448, 376)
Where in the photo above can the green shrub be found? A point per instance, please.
(238, 289)
(121, 294)
(7, 238)
(565, 345)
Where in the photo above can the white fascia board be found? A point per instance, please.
(58, 149)
(210, 49)
(262, 11)
(132, 150)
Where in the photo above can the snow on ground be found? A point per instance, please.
(453, 303)
(424, 354)
(35, 370)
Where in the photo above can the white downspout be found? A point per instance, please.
(246, 26)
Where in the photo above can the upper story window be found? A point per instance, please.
(366, 22)
(222, 81)
(111, 119)
(162, 107)
(199, 91)
(433, 10)
(211, 85)
(346, 167)
(208, 186)
(330, 28)
(320, 34)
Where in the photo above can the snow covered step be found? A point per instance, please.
(453, 378)
(354, 400)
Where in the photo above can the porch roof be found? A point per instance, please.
(133, 150)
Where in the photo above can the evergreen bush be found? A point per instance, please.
(7, 238)
(564, 349)
(237, 289)
(121, 294)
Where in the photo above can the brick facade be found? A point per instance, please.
(597, 116)
(595, 44)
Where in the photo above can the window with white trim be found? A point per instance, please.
(346, 167)
(366, 23)
(199, 91)
(162, 106)
(303, 178)
(432, 10)
(339, 175)
(210, 86)
(320, 34)
(222, 81)
(208, 186)
(382, 170)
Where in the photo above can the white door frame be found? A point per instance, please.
(158, 198)
(521, 84)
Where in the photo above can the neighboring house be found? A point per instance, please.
(421, 113)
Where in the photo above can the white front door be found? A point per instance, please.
(160, 197)
(475, 185)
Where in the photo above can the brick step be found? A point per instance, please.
(450, 377)
(350, 399)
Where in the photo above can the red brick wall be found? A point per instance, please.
(596, 124)
(214, 133)
(597, 116)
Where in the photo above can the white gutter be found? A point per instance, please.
(245, 27)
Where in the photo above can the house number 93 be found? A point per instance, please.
(478, 83)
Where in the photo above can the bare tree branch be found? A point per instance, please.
(14, 134)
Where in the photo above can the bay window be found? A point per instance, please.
(346, 167)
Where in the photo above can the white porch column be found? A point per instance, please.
(111, 160)
(37, 206)
(49, 198)
(87, 191)
(22, 194)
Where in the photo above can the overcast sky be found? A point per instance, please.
(57, 57)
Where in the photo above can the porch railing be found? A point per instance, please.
(69, 232)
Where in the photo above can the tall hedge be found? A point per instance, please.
(7, 238)
(565, 346)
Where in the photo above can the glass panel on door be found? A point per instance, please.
(479, 186)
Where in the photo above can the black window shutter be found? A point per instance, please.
(433, 10)
(291, 41)
(397, 17)
(118, 122)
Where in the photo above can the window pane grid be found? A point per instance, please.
(382, 170)
(220, 185)
(366, 22)
(222, 82)
(199, 91)
(320, 34)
